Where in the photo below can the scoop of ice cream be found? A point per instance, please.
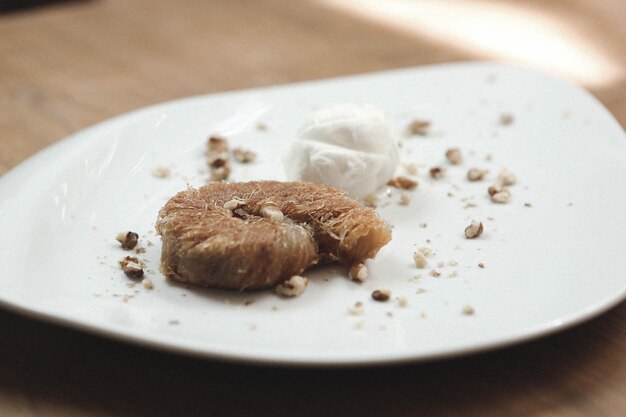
(344, 146)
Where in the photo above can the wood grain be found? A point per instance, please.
(67, 66)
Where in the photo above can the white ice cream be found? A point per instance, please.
(344, 146)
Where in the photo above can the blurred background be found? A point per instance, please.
(65, 65)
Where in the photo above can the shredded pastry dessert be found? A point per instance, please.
(258, 234)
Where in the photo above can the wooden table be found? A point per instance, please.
(67, 66)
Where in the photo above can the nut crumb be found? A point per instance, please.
(371, 200)
(527, 205)
(128, 240)
(403, 182)
(262, 126)
(402, 302)
(468, 310)
(243, 155)
(233, 204)
(381, 295)
(248, 302)
(476, 174)
(419, 127)
(506, 119)
(217, 143)
(420, 260)
(481, 265)
(405, 199)
(131, 266)
(292, 287)
(358, 272)
(501, 197)
(436, 172)
(434, 273)
(357, 309)
(474, 230)
(161, 172)
(506, 177)
(273, 213)
(423, 225)
(454, 156)
(147, 283)
(221, 173)
(411, 168)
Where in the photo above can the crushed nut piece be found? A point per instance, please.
(405, 199)
(292, 287)
(453, 155)
(358, 272)
(481, 265)
(128, 240)
(436, 172)
(411, 168)
(233, 204)
(221, 173)
(527, 205)
(420, 260)
(423, 225)
(506, 119)
(381, 295)
(419, 127)
(474, 230)
(476, 174)
(435, 273)
(371, 200)
(262, 126)
(403, 182)
(131, 266)
(506, 177)
(147, 283)
(356, 309)
(402, 302)
(273, 213)
(216, 143)
(161, 172)
(501, 197)
(428, 252)
(243, 155)
(468, 310)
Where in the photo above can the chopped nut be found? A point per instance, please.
(356, 309)
(436, 172)
(216, 143)
(161, 172)
(233, 204)
(216, 159)
(494, 189)
(358, 272)
(474, 230)
(468, 310)
(411, 168)
(419, 127)
(481, 265)
(262, 126)
(476, 174)
(420, 260)
(428, 252)
(405, 199)
(221, 173)
(381, 295)
(453, 155)
(506, 177)
(128, 240)
(506, 119)
(371, 200)
(292, 287)
(243, 155)
(435, 273)
(402, 302)
(273, 213)
(501, 197)
(423, 225)
(527, 205)
(147, 283)
(403, 182)
(131, 266)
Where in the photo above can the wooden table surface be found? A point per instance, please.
(66, 66)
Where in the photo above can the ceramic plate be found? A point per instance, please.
(552, 257)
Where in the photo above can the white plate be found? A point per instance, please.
(547, 267)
